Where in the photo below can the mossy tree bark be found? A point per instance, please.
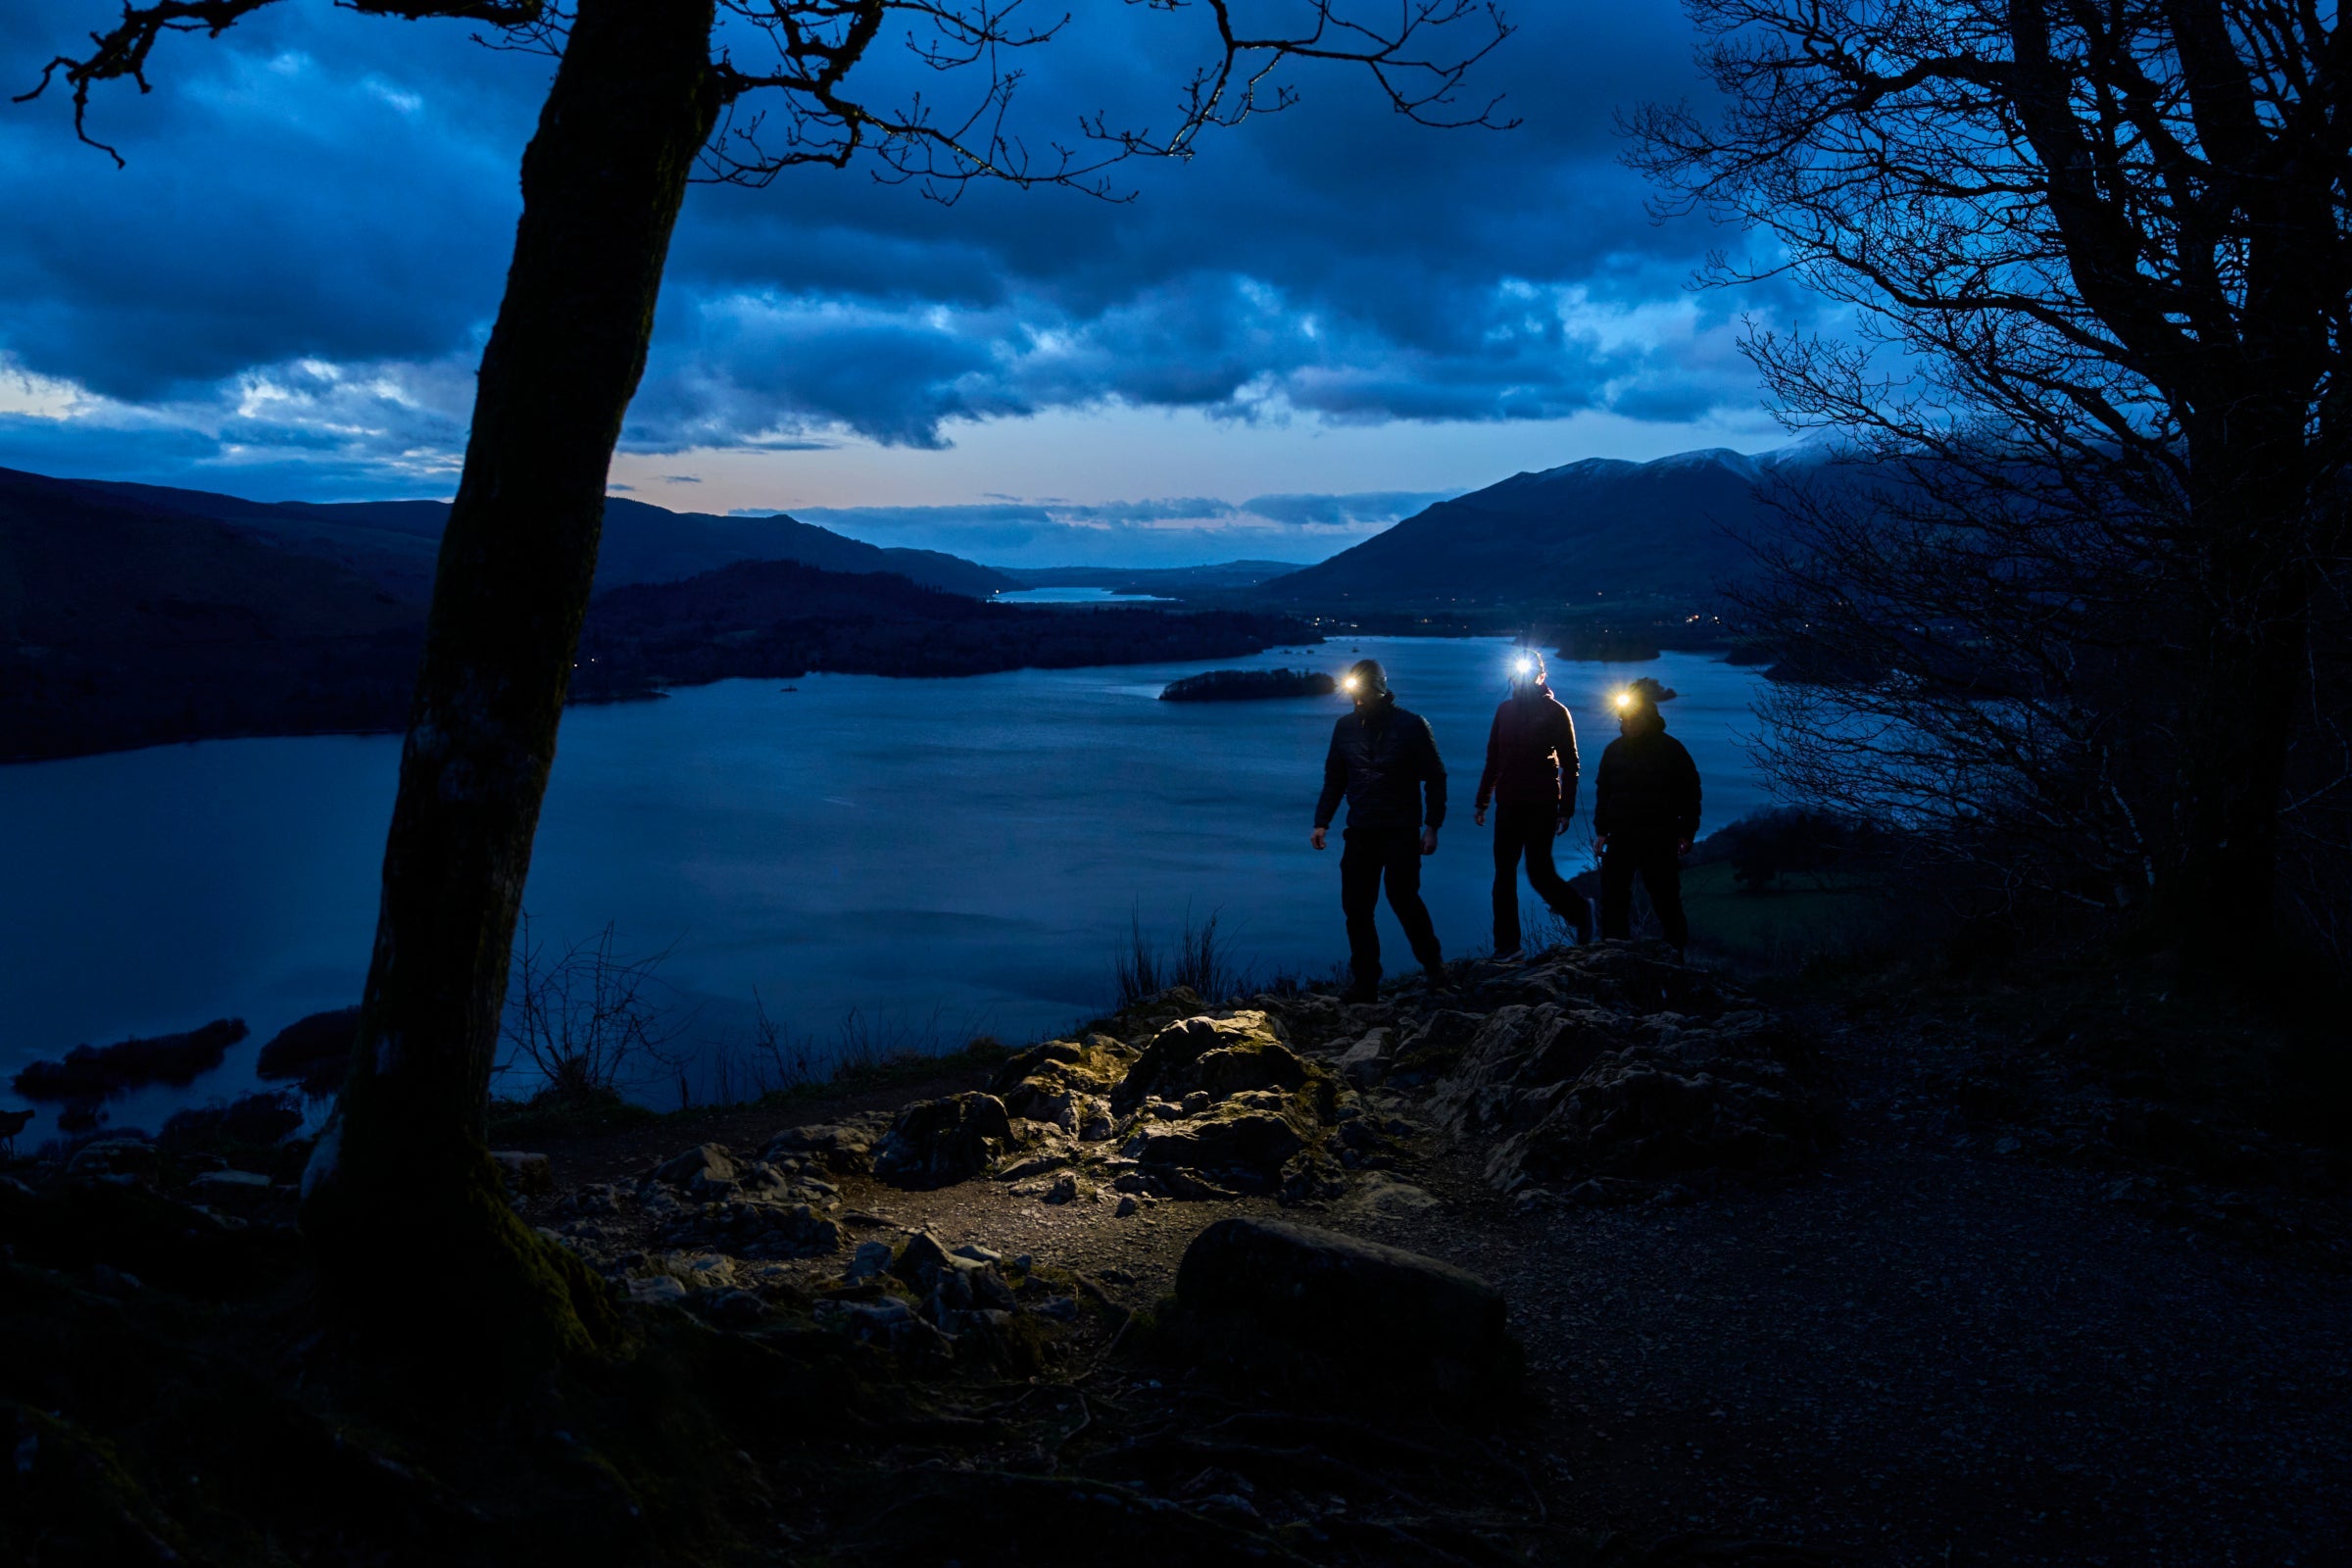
(403, 1168)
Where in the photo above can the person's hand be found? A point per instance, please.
(1559, 827)
(1316, 838)
(1682, 847)
(1428, 841)
(1600, 841)
(1477, 818)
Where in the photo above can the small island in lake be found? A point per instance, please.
(1247, 685)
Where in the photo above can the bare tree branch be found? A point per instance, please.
(121, 52)
(2097, 255)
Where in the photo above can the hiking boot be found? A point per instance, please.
(1434, 973)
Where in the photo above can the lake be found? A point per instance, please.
(935, 857)
(1075, 596)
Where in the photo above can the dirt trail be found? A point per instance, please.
(1925, 1353)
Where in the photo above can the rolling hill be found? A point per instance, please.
(393, 543)
(132, 617)
(127, 625)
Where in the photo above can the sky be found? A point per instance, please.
(1326, 319)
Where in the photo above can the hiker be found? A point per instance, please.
(1383, 759)
(1531, 778)
(1645, 815)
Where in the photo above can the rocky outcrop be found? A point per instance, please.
(1066, 1083)
(1610, 1072)
(1208, 1105)
(1683, 1099)
(1614, 1064)
(1216, 1055)
(1217, 1105)
(1248, 1285)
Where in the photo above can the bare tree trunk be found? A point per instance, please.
(2246, 671)
(2241, 724)
(403, 1166)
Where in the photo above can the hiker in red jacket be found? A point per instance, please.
(1531, 778)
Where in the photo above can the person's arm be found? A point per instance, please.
(1688, 819)
(1485, 780)
(1334, 781)
(1433, 777)
(1571, 769)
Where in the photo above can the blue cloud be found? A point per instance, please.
(297, 269)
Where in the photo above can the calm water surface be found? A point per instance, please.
(943, 857)
(1075, 596)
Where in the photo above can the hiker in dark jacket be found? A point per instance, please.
(1382, 759)
(1531, 778)
(1645, 815)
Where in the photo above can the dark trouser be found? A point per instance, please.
(1525, 828)
(1661, 871)
(1374, 853)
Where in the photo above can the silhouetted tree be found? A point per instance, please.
(2061, 600)
(645, 92)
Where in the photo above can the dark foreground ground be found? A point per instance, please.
(1894, 1280)
(1948, 1345)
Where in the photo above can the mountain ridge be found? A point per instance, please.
(394, 543)
(1594, 531)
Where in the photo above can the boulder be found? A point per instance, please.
(708, 1170)
(1254, 1142)
(1434, 1048)
(846, 1147)
(703, 1271)
(1366, 1062)
(871, 1259)
(938, 1142)
(919, 1261)
(1062, 1081)
(797, 1231)
(1216, 1055)
(1261, 1287)
(948, 1283)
